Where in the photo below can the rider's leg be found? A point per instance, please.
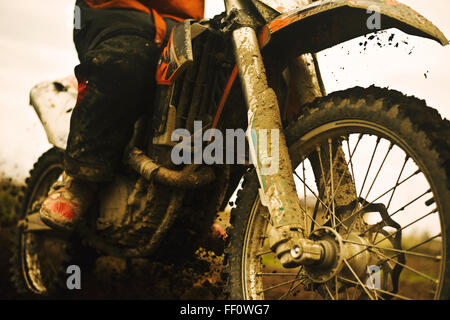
(117, 66)
(116, 76)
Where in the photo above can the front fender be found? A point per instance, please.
(324, 24)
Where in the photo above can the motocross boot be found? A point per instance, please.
(67, 201)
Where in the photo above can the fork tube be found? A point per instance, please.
(275, 172)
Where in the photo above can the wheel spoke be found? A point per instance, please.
(292, 284)
(378, 171)
(279, 285)
(420, 244)
(328, 291)
(436, 258)
(330, 150)
(375, 289)
(357, 278)
(277, 274)
(370, 165)
(259, 254)
(325, 184)
(398, 179)
(293, 288)
(304, 195)
(336, 287)
(316, 209)
(351, 155)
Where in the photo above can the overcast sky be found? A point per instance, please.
(36, 45)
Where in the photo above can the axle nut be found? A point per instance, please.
(296, 252)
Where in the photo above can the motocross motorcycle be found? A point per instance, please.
(357, 207)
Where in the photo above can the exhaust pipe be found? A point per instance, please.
(187, 178)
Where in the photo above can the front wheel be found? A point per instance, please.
(371, 168)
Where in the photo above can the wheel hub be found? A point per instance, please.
(341, 258)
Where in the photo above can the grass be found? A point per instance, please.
(10, 192)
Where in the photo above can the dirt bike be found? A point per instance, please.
(358, 206)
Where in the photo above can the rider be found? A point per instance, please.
(118, 46)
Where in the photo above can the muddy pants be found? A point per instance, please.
(116, 84)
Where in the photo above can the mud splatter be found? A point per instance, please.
(383, 39)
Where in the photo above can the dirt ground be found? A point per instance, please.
(114, 278)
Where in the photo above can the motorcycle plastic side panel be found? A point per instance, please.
(324, 24)
(176, 56)
(53, 103)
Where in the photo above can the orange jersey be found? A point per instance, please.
(175, 9)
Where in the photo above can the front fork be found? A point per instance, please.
(275, 174)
